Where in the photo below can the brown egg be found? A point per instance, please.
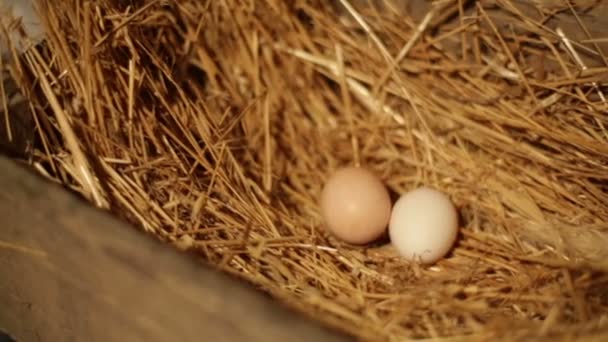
(355, 205)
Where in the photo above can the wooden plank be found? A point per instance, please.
(70, 272)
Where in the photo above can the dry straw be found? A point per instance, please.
(212, 125)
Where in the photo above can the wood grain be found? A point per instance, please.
(69, 272)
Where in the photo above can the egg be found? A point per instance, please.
(355, 205)
(423, 225)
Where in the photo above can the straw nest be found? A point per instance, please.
(213, 124)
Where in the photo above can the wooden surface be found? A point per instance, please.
(69, 272)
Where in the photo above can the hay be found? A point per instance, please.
(212, 125)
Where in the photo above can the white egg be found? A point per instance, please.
(423, 225)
